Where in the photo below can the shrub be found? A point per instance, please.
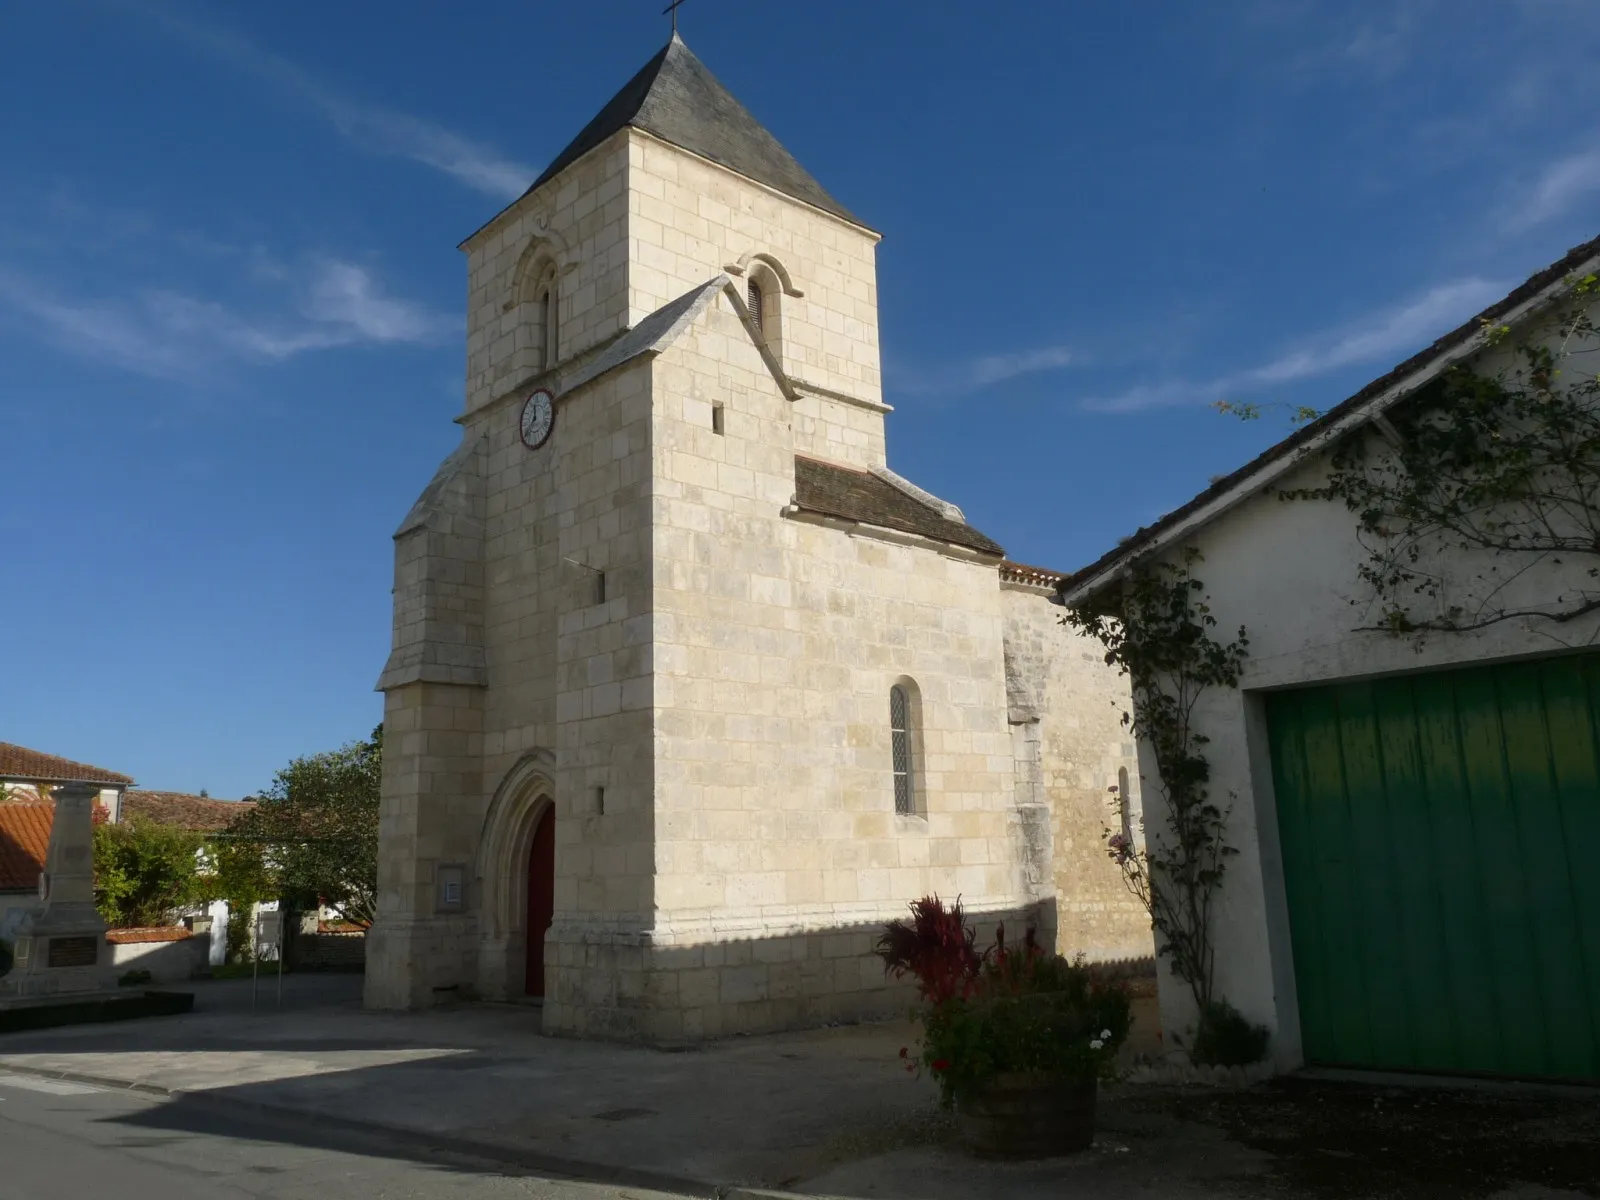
(133, 978)
(240, 943)
(935, 947)
(1226, 1038)
(144, 874)
(1003, 1010)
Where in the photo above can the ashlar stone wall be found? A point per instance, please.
(1075, 749)
(578, 221)
(779, 853)
(690, 219)
(568, 631)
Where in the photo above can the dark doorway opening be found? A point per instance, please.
(541, 896)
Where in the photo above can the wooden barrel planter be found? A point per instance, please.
(1028, 1116)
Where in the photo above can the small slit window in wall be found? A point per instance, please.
(753, 299)
(900, 739)
(1125, 804)
(551, 316)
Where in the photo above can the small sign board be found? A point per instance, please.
(269, 931)
(452, 888)
(73, 951)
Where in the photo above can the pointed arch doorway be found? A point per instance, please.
(516, 878)
(541, 896)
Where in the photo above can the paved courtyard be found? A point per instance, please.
(824, 1112)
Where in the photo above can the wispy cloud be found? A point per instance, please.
(372, 128)
(982, 372)
(169, 334)
(1384, 45)
(1381, 338)
(1558, 188)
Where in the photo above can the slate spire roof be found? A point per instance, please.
(675, 98)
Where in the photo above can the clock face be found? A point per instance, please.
(538, 415)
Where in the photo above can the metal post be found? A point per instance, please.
(255, 978)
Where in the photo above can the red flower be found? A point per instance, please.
(940, 1064)
(902, 1051)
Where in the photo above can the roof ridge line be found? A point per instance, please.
(944, 508)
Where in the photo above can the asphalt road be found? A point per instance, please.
(66, 1141)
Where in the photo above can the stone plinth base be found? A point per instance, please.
(72, 937)
(418, 964)
(628, 988)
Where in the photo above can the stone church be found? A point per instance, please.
(689, 692)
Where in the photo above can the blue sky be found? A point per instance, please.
(231, 303)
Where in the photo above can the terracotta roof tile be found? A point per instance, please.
(186, 811)
(24, 841)
(835, 491)
(18, 762)
(148, 933)
(1015, 572)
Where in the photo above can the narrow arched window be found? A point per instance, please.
(753, 300)
(1125, 805)
(900, 739)
(550, 316)
(544, 330)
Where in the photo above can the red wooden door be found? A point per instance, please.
(541, 897)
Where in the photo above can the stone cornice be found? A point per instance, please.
(812, 389)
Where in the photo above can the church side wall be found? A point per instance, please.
(581, 219)
(1079, 702)
(779, 852)
(688, 219)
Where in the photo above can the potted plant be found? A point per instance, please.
(1016, 1038)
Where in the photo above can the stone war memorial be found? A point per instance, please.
(689, 692)
(61, 954)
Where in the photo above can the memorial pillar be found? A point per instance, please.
(60, 950)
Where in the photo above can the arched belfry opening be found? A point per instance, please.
(516, 878)
(764, 291)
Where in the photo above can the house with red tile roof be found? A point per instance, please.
(199, 814)
(27, 776)
(27, 812)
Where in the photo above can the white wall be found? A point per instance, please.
(1287, 572)
(167, 962)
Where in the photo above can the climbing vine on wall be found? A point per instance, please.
(1469, 490)
(1159, 630)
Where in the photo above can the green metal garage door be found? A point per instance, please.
(1441, 851)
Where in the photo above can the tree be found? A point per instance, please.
(314, 833)
(144, 873)
(236, 872)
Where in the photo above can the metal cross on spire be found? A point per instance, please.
(673, 9)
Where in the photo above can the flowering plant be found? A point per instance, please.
(1007, 1009)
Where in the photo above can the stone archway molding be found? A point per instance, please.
(503, 843)
(760, 257)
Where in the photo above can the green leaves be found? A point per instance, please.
(1157, 629)
(1479, 479)
(313, 836)
(145, 874)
